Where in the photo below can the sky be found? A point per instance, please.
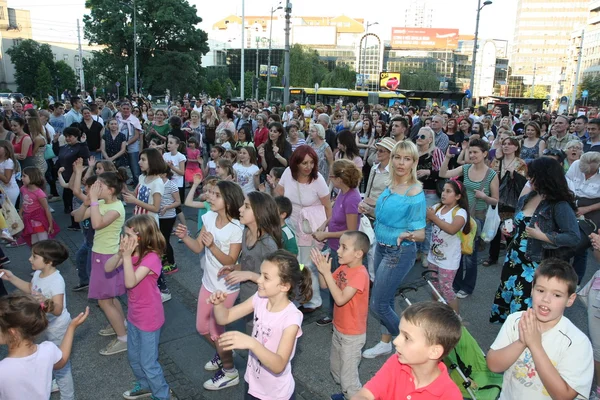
(57, 20)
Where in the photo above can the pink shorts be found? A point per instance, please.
(205, 317)
(445, 278)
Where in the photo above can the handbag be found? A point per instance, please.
(9, 212)
(48, 152)
(311, 219)
(510, 188)
(365, 227)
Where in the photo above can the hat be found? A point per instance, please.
(387, 143)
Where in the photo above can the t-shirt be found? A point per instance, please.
(251, 258)
(289, 239)
(569, 350)
(31, 199)
(224, 237)
(9, 164)
(72, 117)
(146, 194)
(351, 318)
(144, 305)
(394, 381)
(167, 199)
(176, 159)
(445, 251)
(245, 176)
(106, 240)
(268, 329)
(50, 286)
(29, 377)
(58, 123)
(345, 203)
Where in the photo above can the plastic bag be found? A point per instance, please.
(492, 222)
(510, 189)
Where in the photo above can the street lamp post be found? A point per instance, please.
(269, 55)
(135, 74)
(479, 8)
(286, 59)
(364, 69)
(126, 80)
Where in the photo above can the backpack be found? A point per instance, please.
(466, 240)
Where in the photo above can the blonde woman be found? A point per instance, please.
(533, 146)
(399, 223)
(38, 137)
(193, 126)
(316, 133)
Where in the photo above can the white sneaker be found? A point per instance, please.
(55, 388)
(461, 294)
(165, 296)
(222, 380)
(214, 364)
(5, 235)
(379, 349)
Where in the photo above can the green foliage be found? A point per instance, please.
(421, 79)
(64, 77)
(539, 92)
(169, 46)
(27, 57)
(43, 80)
(305, 67)
(341, 77)
(592, 85)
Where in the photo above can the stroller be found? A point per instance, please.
(466, 363)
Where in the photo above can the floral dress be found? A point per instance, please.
(514, 292)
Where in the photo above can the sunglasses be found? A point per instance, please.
(422, 137)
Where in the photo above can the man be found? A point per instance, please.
(579, 127)
(398, 128)
(441, 140)
(130, 126)
(74, 116)
(7, 109)
(330, 135)
(18, 108)
(57, 119)
(593, 143)
(418, 124)
(105, 113)
(560, 136)
(245, 119)
(50, 99)
(95, 114)
(198, 106)
(519, 127)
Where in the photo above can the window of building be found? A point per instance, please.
(17, 42)
(65, 57)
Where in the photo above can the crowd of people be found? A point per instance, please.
(292, 201)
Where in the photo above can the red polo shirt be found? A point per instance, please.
(394, 381)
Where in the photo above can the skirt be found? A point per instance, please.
(37, 222)
(105, 285)
(190, 170)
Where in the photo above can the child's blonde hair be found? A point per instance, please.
(150, 239)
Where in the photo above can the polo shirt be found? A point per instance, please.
(560, 144)
(394, 381)
(589, 146)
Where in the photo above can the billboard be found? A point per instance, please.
(309, 35)
(263, 70)
(389, 81)
(424, 38)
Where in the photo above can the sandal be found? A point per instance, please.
(488, 263)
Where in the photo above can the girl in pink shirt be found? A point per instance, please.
(35, 211)
(139, 252)
(277, 325)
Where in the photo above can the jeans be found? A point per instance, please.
(431, 199)
(51, 177)
(84, 262)
(97, 155)
(134, 157)
(142, 352)
(391, 266)
(304, 258)
(466, 276)
(64, 378)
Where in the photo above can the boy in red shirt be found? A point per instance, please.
(428, 332)
(349, 287)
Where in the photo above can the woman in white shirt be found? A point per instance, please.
(9, 167)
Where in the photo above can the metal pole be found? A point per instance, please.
(286, 60)
(269, 57)
(475, 54)
(576, 83)
(81, 75)
(127, 80)
(135, 74)
(533, 81)
(257, 40)
(242, 67)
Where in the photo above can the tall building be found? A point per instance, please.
(418, 15)
(543, 30)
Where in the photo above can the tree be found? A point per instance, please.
(306, 68)
(27, 57)
(341, 77)
(43, 80)
(169, 46)
(421, 79)
(539, 92)
(64, 77)
(592, 85)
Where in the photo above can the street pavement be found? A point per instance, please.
(183, 352)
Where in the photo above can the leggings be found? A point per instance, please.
(166, 225)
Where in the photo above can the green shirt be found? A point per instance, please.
(106, 240)
(289, 240)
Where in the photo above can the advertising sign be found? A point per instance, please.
(263, 70)
(389, 81)
(424, 38)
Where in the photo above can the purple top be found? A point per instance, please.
(345, 203)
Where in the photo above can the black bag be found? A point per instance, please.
(510, 189)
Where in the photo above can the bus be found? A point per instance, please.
(333, 95)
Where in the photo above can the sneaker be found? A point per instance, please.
(16, 243)
(55, 388)
(324, 321)
(165, 295)
(338, 396)
(222, 380)
(5, 235)
(52, 210)
(424, 262)
(169, 269)
(53, 199)
(108, 331)
(461, 294)
(214, 364)
(4, 261)
(137, 393)
(114, 347)
(74, 228)
(379, 349)
(80, 287)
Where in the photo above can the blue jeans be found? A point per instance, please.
(64, 378)
(431, 199)
(84, 262)
(142, 351)
(97, 155)
(391, 266)
(466, 276)
(580, 264)
(134, 166)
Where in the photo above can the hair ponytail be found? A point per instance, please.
(23, 313)
(297, 275)
(459, 189)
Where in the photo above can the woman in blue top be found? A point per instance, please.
(399, 223)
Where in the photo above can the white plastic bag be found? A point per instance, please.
(491, 224)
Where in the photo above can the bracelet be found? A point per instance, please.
(94, 203)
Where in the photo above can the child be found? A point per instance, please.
(166, 218)
(26, 373)
(215, 154)
(428, 332)
(35, 212)
(246, 171)
(273, 178)
(107, 215)
(156, 144)
(139, 254)
(542, 354)
(221, 240)
(176, 162)
(444, 255)
(48, 283)
(231, 155)
(277, 325)
(194, 160)
(146, 196)
(285, 210)
(349, 287)
(203, 205)
(227, 140)
(224, 170)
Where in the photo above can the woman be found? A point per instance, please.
(244, 136)
(399, 224)
(193, 127)
(463, 133)
(293, 136)
(430, 161)
(344, 123)
(276, 151)
(22, 143)
(511, 171)
(113, 144)
(5, 134)
(148, 121)
(320, 146)
(347, 148)
(380, 174)
(159, 129)
(488, 133)
(482, 185)
(533, 146)
(261, 135)
(8, 171)
(93, 131)
(355, 125)
(38, 138)
(287, 116)
(306, 188)
(145, 110)
(137, 112)
(211, 121)
(451, 127)
(544, 221)
(364, 139)
(573, 152)
(226, 123)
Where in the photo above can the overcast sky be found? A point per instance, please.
(57, 20)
